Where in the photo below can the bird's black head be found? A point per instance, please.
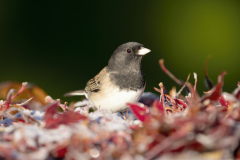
(127, 57)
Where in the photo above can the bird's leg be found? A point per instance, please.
(123, 116)
(88, 107)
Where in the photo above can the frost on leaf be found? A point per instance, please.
(178, 125)
(53, 118)
(140, 111)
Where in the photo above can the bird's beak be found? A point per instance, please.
(142, 51)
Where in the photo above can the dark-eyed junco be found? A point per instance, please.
(120, 82)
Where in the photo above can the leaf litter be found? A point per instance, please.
(169, 126)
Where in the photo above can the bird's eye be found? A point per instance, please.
(129, 51)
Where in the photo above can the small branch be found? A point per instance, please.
(26, 101)
(21, 90)
(8, 99)
(195, 86)
(205, 65)
(179, 92)
(161, 63)
(162, 95)
(156, 89)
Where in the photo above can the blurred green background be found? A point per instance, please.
(60, 45)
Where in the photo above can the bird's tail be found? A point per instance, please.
(75, 93)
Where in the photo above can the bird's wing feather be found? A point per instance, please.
(93, 85)
(75, 93)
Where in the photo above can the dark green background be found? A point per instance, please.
(60, 45)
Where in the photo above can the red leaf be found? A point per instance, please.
(51, 110)
(223, 101)
(60, 153)
(216, 91)
(53, 119)
(142, 113)
(178, 101)
(236, 92)
(160, 107)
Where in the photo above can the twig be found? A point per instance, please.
(8, 99)
(156, 89)
(162, 95)
(205, 65)
(195, 86)
(64, 107)
(189, 85)
(123, 116)
(26, 101)
(161, 63)
(21, 90)
(179, 92)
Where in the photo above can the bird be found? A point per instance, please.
(120, 82)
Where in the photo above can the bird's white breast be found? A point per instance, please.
(114, 99)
